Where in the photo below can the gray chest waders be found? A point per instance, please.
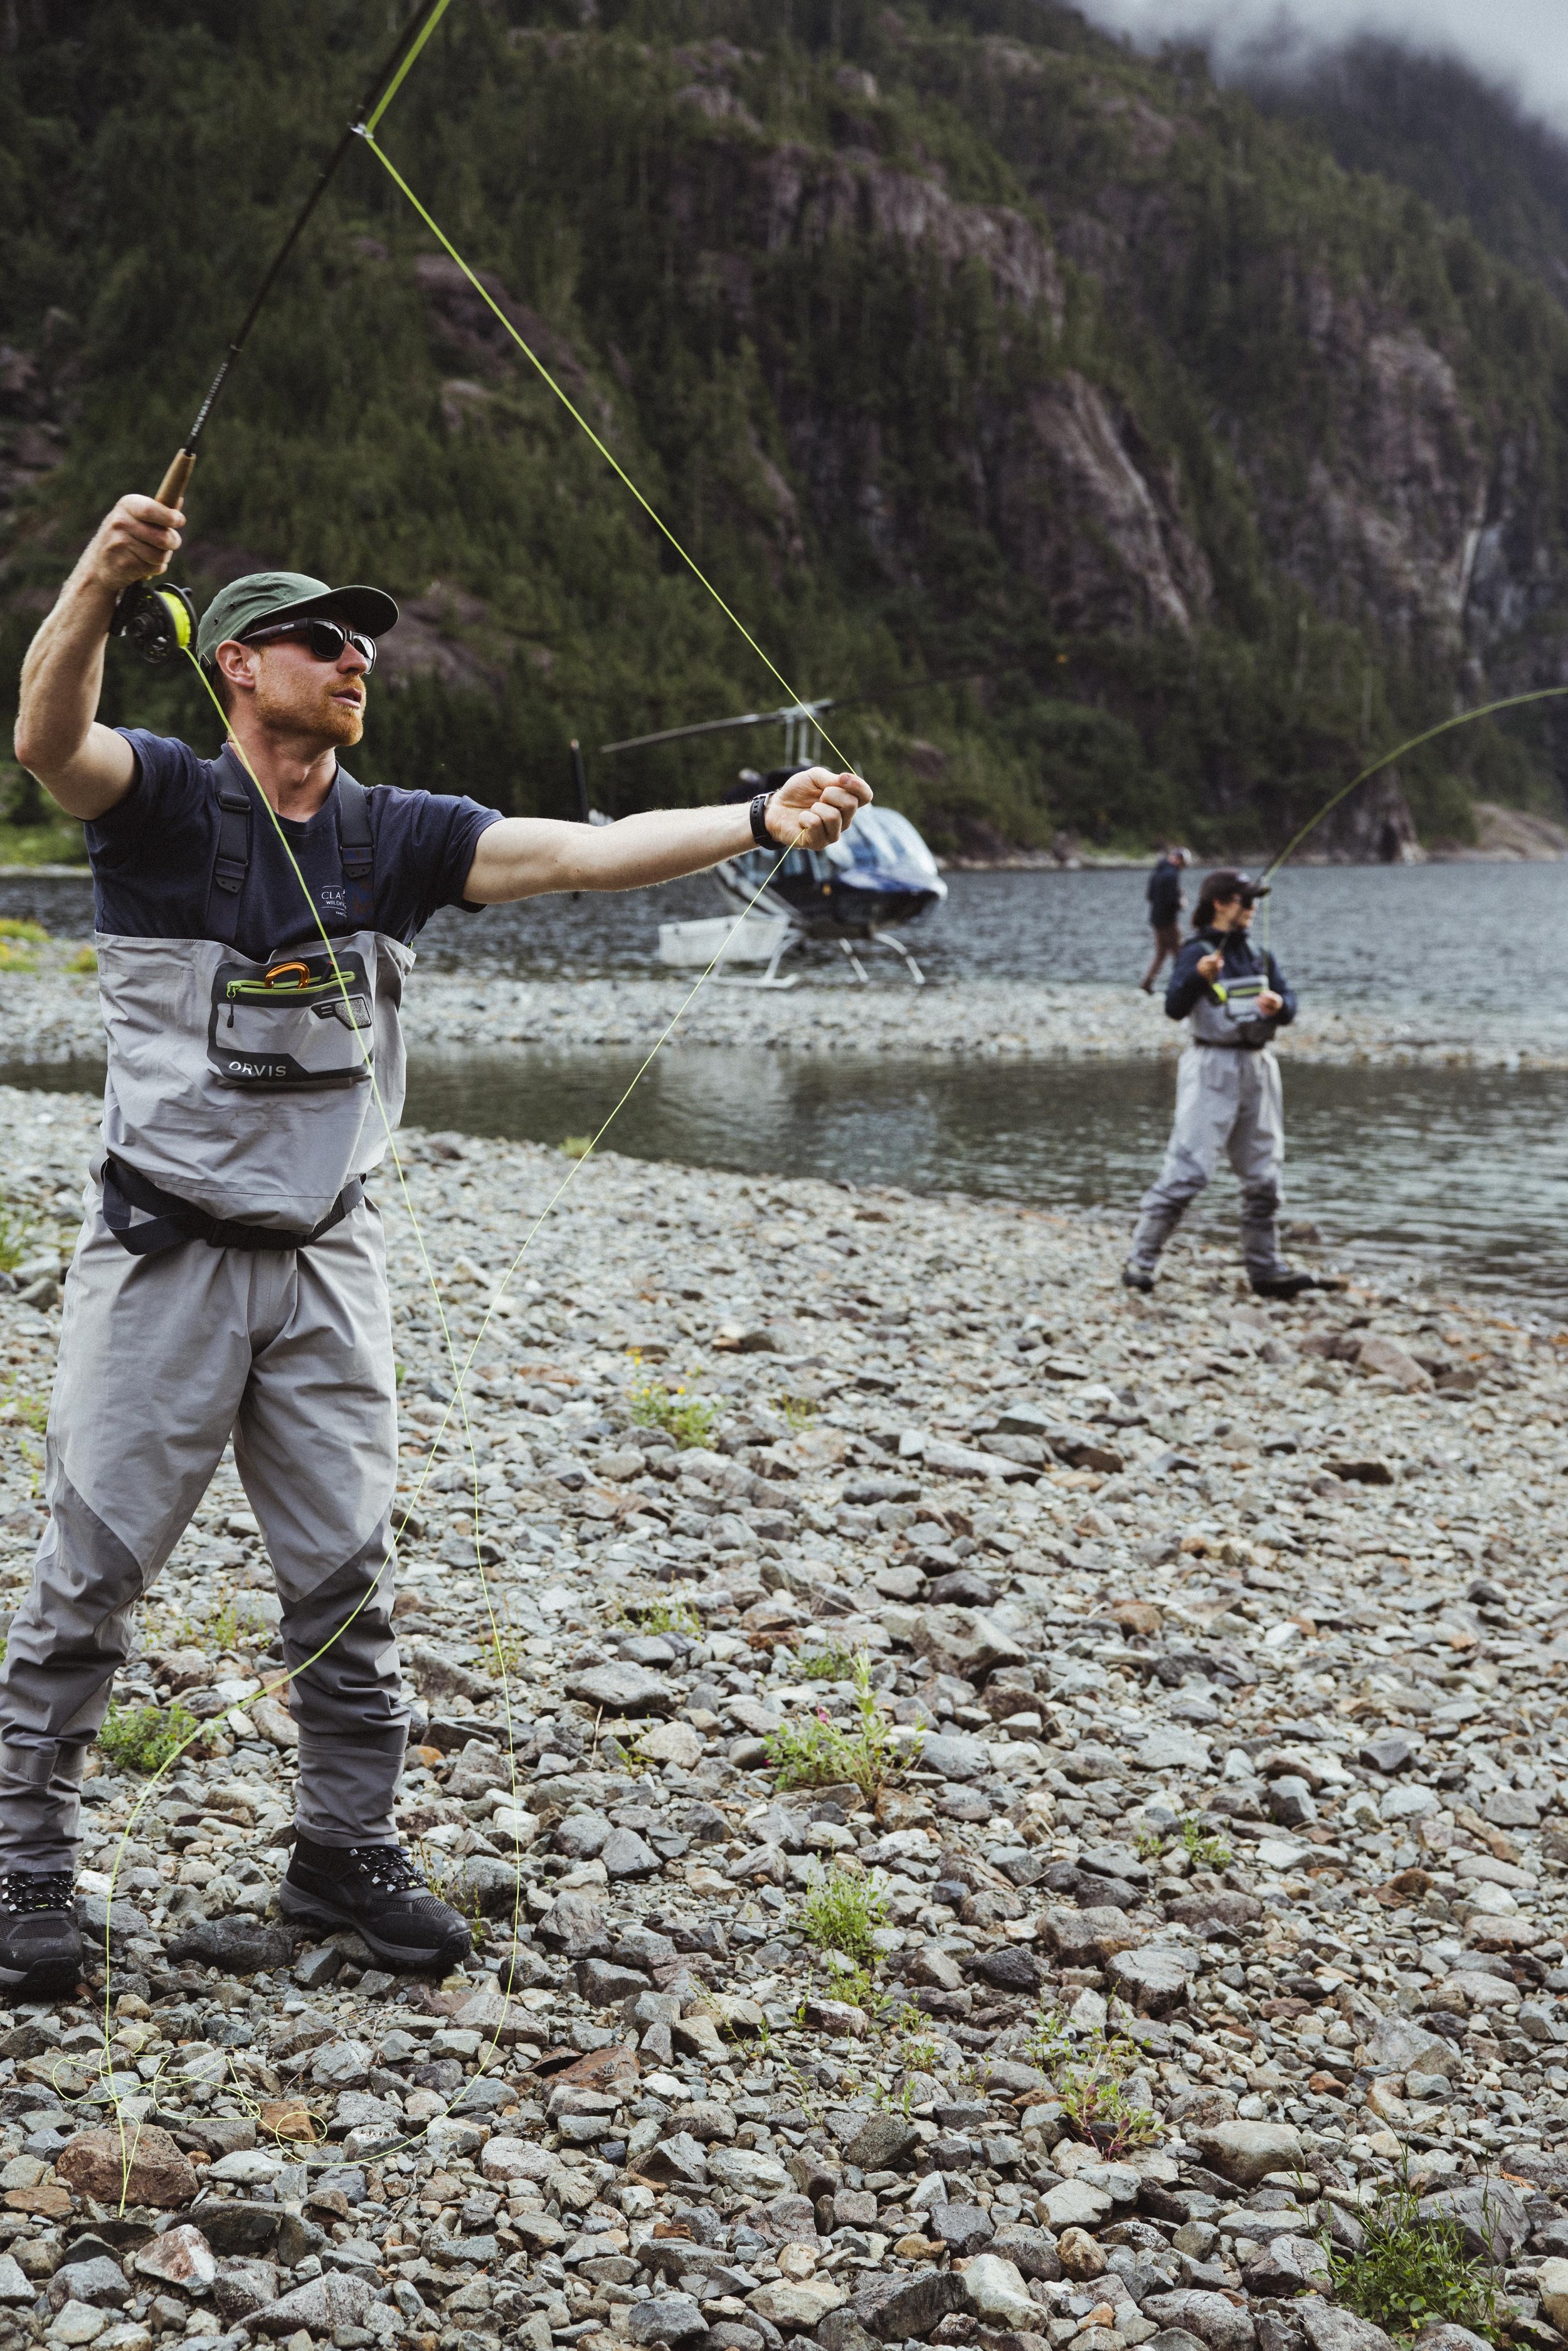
(229, 1283)
(1228, 1101)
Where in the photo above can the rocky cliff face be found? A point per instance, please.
(1380, 482)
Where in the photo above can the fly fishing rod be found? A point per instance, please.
(159, 622)
(1386, 759)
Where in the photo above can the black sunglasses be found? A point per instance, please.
(324, 639)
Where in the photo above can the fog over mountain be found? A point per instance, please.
(1521, 43)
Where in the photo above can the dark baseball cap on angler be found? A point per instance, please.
(265, 598)
(1221, 888)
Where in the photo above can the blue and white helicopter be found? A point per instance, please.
(860, 892)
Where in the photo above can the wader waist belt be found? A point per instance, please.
(1234, 1044)
(175, 1221)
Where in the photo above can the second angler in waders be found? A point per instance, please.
(1235, 999)
(230, 1278)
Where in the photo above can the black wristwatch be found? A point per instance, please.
(759, 832)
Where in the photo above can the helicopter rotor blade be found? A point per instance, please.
(797, 710)
(706, 726)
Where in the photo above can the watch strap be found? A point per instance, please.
(758, 814)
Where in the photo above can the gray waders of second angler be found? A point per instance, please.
(1228, 1100)
(229, 1280)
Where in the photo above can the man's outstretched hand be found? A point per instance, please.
(815, 806)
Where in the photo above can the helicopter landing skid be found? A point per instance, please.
(886, 939)
(882, 939)
(769, 978)
(799, 939)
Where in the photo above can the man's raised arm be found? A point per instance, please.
(84, 767)
(524, 857)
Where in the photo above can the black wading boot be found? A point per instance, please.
(1284, 1285)
(378, 1889)
(40, 1942)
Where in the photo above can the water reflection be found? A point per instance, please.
(1412, 1171)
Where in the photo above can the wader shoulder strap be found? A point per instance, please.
(232, 863)
(358, 849)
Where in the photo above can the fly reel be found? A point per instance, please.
(158, 624)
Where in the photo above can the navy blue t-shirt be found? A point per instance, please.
(152, 856)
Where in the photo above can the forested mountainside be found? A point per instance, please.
(1433, 125)
(957, 342)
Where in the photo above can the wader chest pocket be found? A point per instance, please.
(302, 1022)
(1239, 997)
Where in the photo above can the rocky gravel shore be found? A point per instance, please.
(1187, 1867)
(51, 1015)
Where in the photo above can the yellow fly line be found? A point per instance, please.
(611, 459)
(398, 80)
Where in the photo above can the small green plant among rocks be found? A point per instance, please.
(16, 1234)
(668, 1617)
(442, 1872)
(1409, 2272)
(816, 1752)
(217, 1630)
(841, 1911)
(1090, 2079)
(831, 1663)
(21, 1410)
(145, 1738)
(688, 1419)
(1202, 1849)
(18, 939)
(918, 2050)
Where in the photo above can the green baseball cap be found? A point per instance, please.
(268, 597)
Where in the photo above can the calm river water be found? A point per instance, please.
(1416, 1174)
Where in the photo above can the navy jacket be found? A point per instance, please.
(1241, 958)
(1164, 894)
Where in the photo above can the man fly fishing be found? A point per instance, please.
(230, 1278)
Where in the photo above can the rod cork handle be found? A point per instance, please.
(171, 490)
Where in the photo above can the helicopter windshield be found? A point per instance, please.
(880, 841)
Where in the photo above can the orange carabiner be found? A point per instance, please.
(295, 975)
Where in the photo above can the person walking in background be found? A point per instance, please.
(1166, 899)
(1228, 1089)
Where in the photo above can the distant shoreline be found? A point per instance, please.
(52, 1018)
(1039, 860)
(1505, 836)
